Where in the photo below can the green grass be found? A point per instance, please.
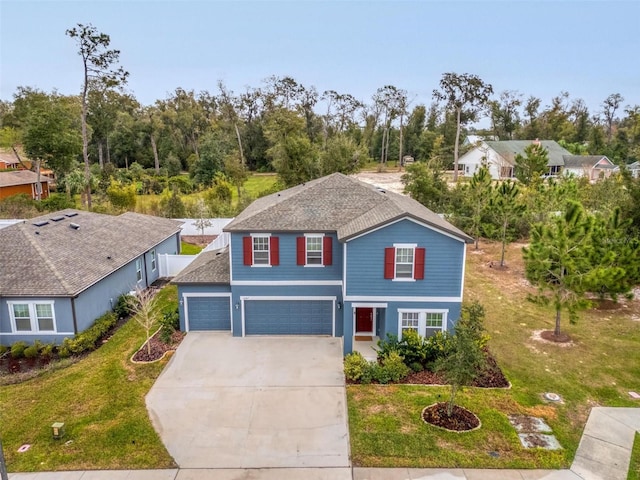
(599, 368)
(634, 468)
(101, 401)
(189, 249)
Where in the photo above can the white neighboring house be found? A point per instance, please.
(499, 157)
(593, 167)
(634, 168)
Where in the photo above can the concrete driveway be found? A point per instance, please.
(253, 402)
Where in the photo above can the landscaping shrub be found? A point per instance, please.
(413, 347)
(355, 366)
(394, 368)
(388, 345)
(123, 306)
(88, 339)
(17, 349)
(169, 323)
(437, 346)
(3, 349)
(47, 350)
(33, 350)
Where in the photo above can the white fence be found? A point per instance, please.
(217, 224)
(171, 265)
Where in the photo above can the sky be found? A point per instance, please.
(590, 49)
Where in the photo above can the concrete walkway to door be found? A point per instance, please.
(254, 402)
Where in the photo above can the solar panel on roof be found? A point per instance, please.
(41, 223)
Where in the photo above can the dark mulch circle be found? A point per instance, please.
(461, 419)
(550, 336)
(158, 347)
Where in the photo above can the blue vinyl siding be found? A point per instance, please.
(288, 317)
(63, 316)
(288, 268)
(443, 262)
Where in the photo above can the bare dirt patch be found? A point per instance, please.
(157, 347)
(390, 180)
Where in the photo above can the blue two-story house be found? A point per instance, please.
(335, 257)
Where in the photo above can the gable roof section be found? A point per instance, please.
(211, 267)
(508, 149)
(589, 161)
(20, 177)
(57, 260)
(334, 203)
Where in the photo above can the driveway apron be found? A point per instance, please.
(253, 402)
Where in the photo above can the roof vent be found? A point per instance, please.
(58, 218)
(75, 226)
(41, 223)
(72, 214)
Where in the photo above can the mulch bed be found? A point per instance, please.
(550, 336)
(461, 419)
(158, 347)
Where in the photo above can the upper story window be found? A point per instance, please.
(404, 262)
(261, 250)
(314, 250)
(32, 316)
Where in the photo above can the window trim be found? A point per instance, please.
(266, 237)
(422, 318)
(33, 317)
(404, 246)
(320, 237)
(153, 260)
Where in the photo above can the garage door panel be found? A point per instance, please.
(209, 313)
(288, 317)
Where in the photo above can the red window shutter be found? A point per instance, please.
(301, 250)
(274, 250)
(327, 251)
(418, 266)
(389, 262)
(247, 248)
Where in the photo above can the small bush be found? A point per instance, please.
(416, 367)
(47, 350)
(64, 351)
(169, 323)
(3, 349)
(355, 366)
(123, 306)
(31, 351)
(17, 349)
(388, 345)
(438, 346)
(412, 347)
(394, 368)
(88, 339)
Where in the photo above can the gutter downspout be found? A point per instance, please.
(73, 314)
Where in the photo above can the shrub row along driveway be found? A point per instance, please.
(225, 402)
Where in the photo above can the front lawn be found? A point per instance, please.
(101, 401)
(599, 368)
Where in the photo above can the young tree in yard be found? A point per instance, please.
(467, 359)
(532, 164)
(144, 308)
(202, 216)
(465, 95)
(505, 206)
(558, 261)
(99, 68)
(478, 195)
(425, 183)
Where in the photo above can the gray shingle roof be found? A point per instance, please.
(57, 260)
(581, 161)
(20, 177)
(335, 203)
(508, 149)
(209, 267)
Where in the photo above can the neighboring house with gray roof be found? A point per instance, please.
(334, 256)
(499, 157)
(592, 167)
(65, 269)
(634, 169)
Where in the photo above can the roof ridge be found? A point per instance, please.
(45, 258)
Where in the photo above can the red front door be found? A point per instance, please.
(364, 320)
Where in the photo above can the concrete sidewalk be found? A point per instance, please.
(603, 454)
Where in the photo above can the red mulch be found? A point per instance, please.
(158, 347)
(426, 377)
(461, 419)
(12, 365)
(550, 336)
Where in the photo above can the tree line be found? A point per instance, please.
(284, 126)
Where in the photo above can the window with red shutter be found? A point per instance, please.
(247, 249)
(418, 269)
(274, 246)
(389, 262)
(301, 250)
